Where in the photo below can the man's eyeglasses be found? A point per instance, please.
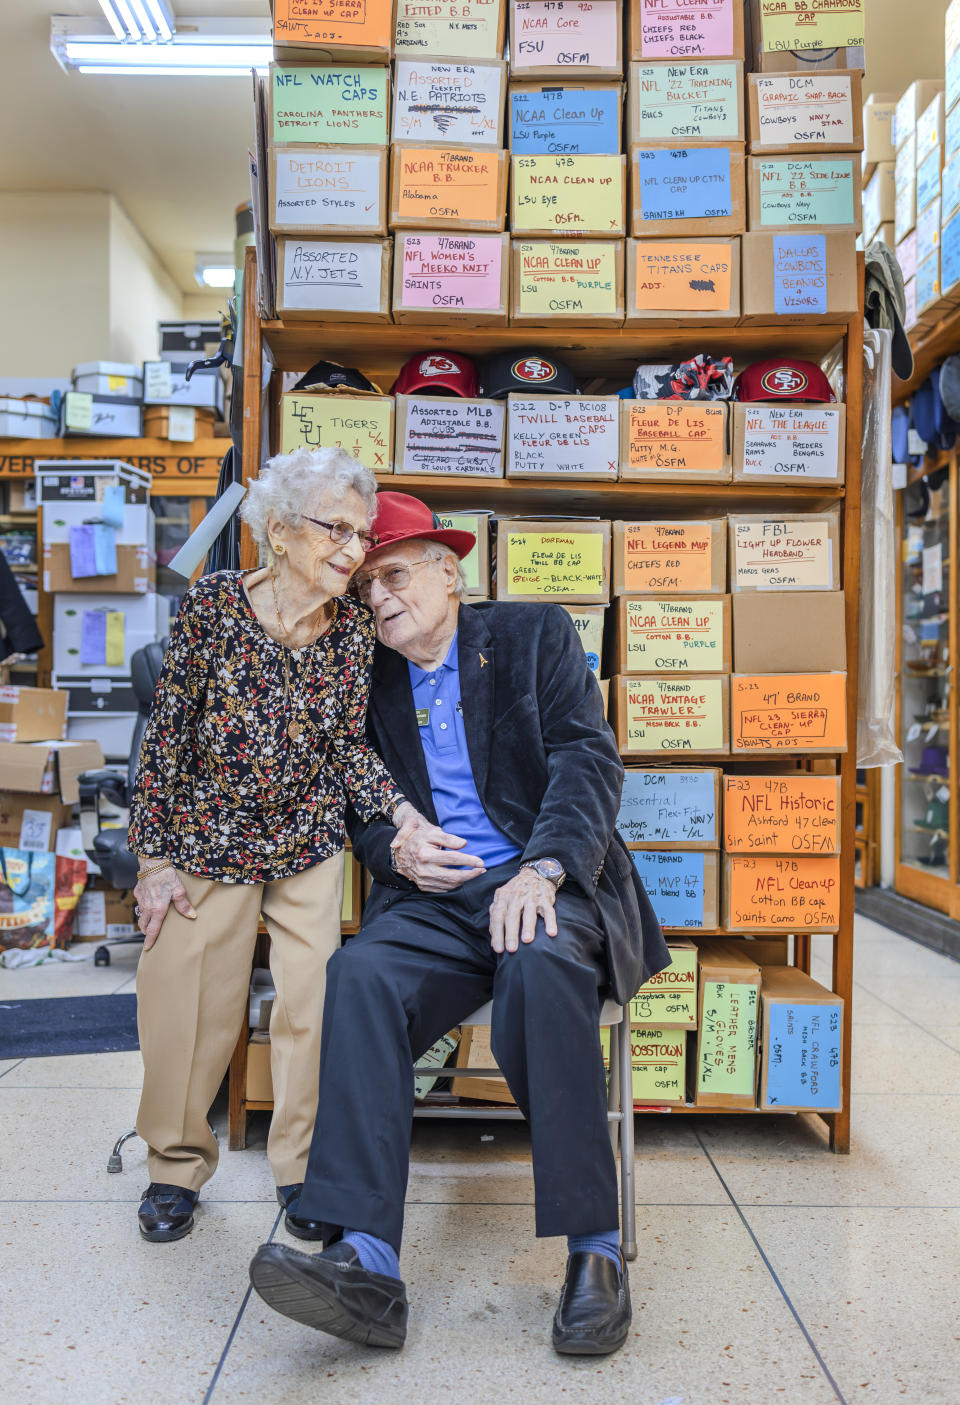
(392, 578)
(342, 532)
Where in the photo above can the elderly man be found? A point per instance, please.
(488, 717)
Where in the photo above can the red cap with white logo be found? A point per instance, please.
(783, 378)
(437, 373)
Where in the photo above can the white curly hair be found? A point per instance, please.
(289, 485)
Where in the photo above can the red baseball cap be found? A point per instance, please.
(783, 378)
(436, 372)
(403, 518)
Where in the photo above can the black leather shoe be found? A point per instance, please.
(288, 1196)
(594, 1313)
(331, 1292)
(166, 1212)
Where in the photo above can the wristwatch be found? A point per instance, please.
(550, 869)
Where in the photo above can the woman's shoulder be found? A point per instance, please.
(212, 594)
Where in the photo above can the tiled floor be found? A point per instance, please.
(769, 1270)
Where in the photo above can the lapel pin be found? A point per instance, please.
(483, 662)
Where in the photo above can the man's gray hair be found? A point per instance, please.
(290, 485)
(436, 551)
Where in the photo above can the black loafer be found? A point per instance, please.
(594, 1313)
(288, 1196)
(331, 1292)
(166, 1212)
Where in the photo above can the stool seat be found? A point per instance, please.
(611, 1014)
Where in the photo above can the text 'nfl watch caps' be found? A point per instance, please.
(403, 518)
(328, 375)
(783, 378)
(437, 373)
(527, 373)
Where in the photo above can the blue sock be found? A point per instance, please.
(606, 1242)
(376, 1255)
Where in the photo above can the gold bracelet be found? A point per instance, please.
(157, 868)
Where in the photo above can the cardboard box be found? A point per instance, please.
(138, 525)
(781, 892)
(789, 631)
(99, 416)
(928, 281)
(564, 561)
(910, 303)
(788, 38)
(911, 104)
(47, 767)
(672, 558)
(567, 283)
(879, 199)
(951, 134)
(123, 378)
(449, 435)
(259, 1084)
(796, 814)
(450, 104)
(688, 102)
(470, 29)
(562, 437)
(950, 189)
(103, 913)
(328, 103)
(798, 551)
(362, 425)
(334, 190)
(790, 712)
(474, 1052)
(949, 260)
(952, 82)
(907, 255)
(671, 635)
(80, 480)
(713, 31)
(575, 196)
(165, 383)
(30, 822)
(183, 424)
(30, 714)
(775, 442)
(671, 716)
(683, 887)
(687, 190)
(453, 187)
(659, 1066)
(334, 280)
(886, 234)
(928, 230)
(136, 572)
(729, 1008)
(675, 807)
(682, 441)
(879, 111)
(143, 619)
(801, 1033)
(451, 278)
(569, 119)
(809, 192)
(545, 41)
(801, 112)
(928, 179)
(588, 622)
(668, 1000)
(931, 128)
(476, 564)
(333, 33)
(676, 281)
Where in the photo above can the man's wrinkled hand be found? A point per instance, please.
(516, 907)
(433, 859)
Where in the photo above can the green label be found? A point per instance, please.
(806, 192)
(728, 1038)
(693, 100)
(335, 104)
(423, 717)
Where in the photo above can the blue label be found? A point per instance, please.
(689, 184)
(928, 280)
(950, 253)
(951, 128)
(668, 807)
(674, 884)
(593, 661)
(561, 121)
(803, 1054)
(950, 189)
(799, 273)
(928, 179)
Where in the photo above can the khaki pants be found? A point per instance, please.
(192, 991)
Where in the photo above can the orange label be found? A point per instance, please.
(788, 712)
(452, 184)
(363, 22)
(676, 436)
(781, 814)
(670, 556)
(799, 894)
(677, 276)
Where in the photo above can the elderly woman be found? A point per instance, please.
(254, 747)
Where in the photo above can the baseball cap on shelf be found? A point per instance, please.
(529, 372)
(329, 375)
(437, 373)
(783, 378)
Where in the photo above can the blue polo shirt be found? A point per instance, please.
(436, 697)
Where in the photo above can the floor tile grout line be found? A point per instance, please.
(12, 1067)
(773, 1274)
(858, 985)
(236, 1325)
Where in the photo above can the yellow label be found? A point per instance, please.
(670, 997)
(812, 24)
(115, 656)
(674, 714)
(674, 636)
(117, 383)
(361, 425)
(561, 280)
(568, 194)
(466, 522)
(554, 563)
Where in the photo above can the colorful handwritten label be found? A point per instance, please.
(693, 100)
(803, 109)
(554, 563)
(476, 523)
(788, 712)
(339, 23)
(566, 279)
(775, 891)
(800, 273)
(457, 272)
(669, 807)
(335, 104)
(701, 29)
(928, 280)
(456, 28)
(557, 438)
(674, 636)
(781, 814)
(659, 1058)
(950, 253)
(791, 25)
(726, 1054)
(689, 183)
(447, 184)
(335, 187)
(441, 434)
(670, 556)
(670, 997)
(672, 715)
(803, 1053)
(781, 553)
(675, 276)
(448, 102)
(791, 441)
(950, 189)
(674, 881)
(951, 126)
(674, 438)
(361, 425)
(565, 120)
(568, 194)
(928, 179)
(326, 275)
(800, 191)
(588, 622)
(575, 34)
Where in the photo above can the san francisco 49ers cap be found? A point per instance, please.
(437, 373)
(783, 378)
(529, 372)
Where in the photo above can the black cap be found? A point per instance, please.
(529, 372)
(328, 375)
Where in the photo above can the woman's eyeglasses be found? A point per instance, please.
(392, 578)
(342, 532)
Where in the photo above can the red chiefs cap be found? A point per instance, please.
(782, 378)
(437, 372)
(402, 518)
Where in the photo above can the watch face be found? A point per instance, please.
(550, 868)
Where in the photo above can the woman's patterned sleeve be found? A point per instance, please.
(176, 704)
(368, 783)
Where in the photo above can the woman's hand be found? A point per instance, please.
(153, 895)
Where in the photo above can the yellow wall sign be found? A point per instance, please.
(812, 24)
(360, 425)
(555, 563)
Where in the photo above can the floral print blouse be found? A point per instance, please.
(222, 787)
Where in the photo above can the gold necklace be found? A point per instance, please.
(294, 729)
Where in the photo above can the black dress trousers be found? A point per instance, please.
(421, 964)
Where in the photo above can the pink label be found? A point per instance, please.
(686, 28)
(451, 271)
(574, 34)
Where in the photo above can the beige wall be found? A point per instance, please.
(904, 42)
(141, 293)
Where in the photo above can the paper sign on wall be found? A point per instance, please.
(791, 441)
(781, 814)
(812, 24)
(317, 274)
(451, 271)
(335, 104)
(673, 714)
(339, 188)
(458, 28)
(554, 563)
(694, 100)
(565, 120)
(357, 23)
(812, 109)
(667, 807)
(675, 556)
(788, 712)
(447, 184)
(800, 273)
(674, 883)
(672, 437)
(567, 279)
(728, 1037)
(682, 277)
(685, 184)
(782, 554)
(692, 31)
(775, 891)
(363, 426)
(559, 437)
(674, 636)
(564, 33)
(450, 435)
(799, 191)
(568, 193)
(448, 102)
(803, 1054)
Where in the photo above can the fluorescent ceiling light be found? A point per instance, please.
(132, 19)
(214, 270)
(202, 48)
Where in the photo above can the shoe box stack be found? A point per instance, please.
(98, 537)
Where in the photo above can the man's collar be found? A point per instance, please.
(449, 662)
(471, 631)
